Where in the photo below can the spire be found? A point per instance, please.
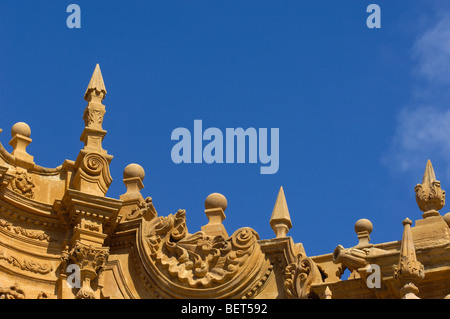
(328, 294)
(96, 85)
(92, 164)
(428, 176)
(429, 195)
(409, 270)
(95, 111)
(280, 220)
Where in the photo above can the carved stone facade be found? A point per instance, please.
(61, 237)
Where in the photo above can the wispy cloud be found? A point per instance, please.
(432, 52)
(423, 126)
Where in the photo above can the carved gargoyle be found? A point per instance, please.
(355, 258)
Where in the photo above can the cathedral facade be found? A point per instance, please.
(62, 238)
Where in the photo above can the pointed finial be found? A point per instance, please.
(96, 86)
(408, 270)
(280, 221)
(95, 110)
(328, 294)
(428, 176)
(429, 195)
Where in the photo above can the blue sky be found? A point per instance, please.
(359, 110)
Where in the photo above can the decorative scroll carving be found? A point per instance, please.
(93, 164)
(198, 260)
(23, 184)
(24, 232)
(145, 207)
(28, 265)
(201, 262)
(12, 292)
(93, 175)
(299, 276)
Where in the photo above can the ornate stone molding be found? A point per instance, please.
(27, 264)
(41, 236)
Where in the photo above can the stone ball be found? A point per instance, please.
(21, 128)
(363, 225)
(216, 200)
(134, 170)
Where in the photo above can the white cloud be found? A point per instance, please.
(432, 51)
(421, 133)
(423, 127)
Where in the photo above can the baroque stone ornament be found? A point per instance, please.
(280, 221)
(299, 276)
(23, 184)
(210, 264)
(429, 195)
(91, 262)
(144, 208)
(409, 271)
(27, 264)
(41, 236)
(358, 258)
(12, 292)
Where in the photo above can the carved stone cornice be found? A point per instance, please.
(100, 211)
(26, 210)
